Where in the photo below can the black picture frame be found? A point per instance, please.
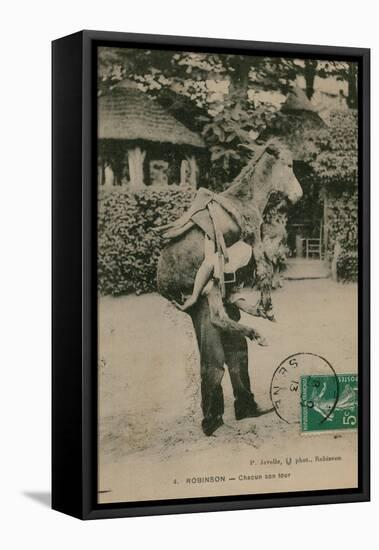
(74, 333)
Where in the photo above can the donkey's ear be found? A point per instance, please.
(250, 148)
(260, 142)
(273, 150)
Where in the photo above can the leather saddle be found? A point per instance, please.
(199, 214)
(212, 213)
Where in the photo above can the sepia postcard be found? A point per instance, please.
(227, 270)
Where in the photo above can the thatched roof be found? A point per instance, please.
(129, 114)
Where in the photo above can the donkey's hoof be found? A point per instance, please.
(251, 334)
(269, 315)
(261, 341)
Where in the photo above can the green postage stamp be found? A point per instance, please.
(329, 402)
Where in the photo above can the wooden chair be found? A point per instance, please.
(313, 248)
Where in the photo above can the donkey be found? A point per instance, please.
(221, 338)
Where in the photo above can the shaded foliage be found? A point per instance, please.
(343, 228)
(337, 158)
(336, 168)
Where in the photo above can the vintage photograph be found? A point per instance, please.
(227, 274)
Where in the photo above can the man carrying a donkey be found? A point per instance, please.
(216, 246)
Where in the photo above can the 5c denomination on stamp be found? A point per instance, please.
(320, 411)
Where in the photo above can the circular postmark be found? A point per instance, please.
(304, 382)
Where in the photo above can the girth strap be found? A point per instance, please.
(222, 252)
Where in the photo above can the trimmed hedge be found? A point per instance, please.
(128, 250)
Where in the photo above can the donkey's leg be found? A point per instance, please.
(265, 308)
(212, 360)
(264, 274)
(221, 320)
(260, 260)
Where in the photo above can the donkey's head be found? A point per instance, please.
(282, 180)
(270, 172)
(274, 174)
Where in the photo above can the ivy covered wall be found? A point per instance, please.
(336, 171)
